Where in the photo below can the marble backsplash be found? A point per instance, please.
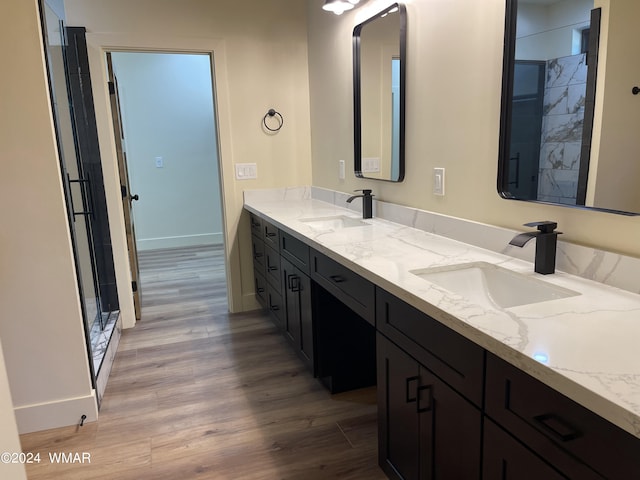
(598, 265)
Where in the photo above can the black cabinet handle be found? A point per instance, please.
(337, 278)
(254, 223)
(260, 290)
(412, 393)
(293, 282)
(557, 427)
(257, 255)
(274, 308)
(271, 268)
(429, 406)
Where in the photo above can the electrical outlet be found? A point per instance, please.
(159, 162)
(438, 181)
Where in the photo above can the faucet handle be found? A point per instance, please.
(365, 191)
(545, 226)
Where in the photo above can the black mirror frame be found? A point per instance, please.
(357, 93)
(506, 102)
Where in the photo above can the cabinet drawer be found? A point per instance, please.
(456, 360)
(349, 287)
(547, 421)
(276, 307)
(257, 250)
(261, 287)
(256, 224)
(296, 251)
(507, 459)
(270, 233)
(272, 268)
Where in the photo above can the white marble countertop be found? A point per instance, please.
(584, 346)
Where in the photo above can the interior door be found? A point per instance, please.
(127, 198)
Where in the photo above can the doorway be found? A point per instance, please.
(170, 150)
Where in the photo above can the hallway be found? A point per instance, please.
(196, 392)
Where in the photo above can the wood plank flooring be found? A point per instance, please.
(196, 392)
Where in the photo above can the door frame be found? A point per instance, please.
(98, 45)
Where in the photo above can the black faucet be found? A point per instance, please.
(546, 240)
(367, 202)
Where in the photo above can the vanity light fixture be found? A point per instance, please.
(338, 6)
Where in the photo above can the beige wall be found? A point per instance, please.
(40, 323)
(454, 72)
(618, 171)
(260, 61)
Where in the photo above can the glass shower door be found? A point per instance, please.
(77, 187)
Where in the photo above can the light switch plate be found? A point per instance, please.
(370, 165)
(159, 162)
(246, 171)
(438, 181)
(341, 169)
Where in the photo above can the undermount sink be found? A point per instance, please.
(492, 286)
(333, 223)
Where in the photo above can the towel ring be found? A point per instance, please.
(273, 113)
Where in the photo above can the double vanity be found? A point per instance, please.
(484, 368)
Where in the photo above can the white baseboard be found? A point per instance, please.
(62, 413)
(180, 241)
(249, 303)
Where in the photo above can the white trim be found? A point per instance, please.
(61, 413)
(180, 241)
(97, 45)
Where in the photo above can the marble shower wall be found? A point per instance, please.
(562, 122)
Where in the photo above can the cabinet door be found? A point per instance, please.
(507, 459)
(298, 318)
(426, 430)
(398, 425)
(450, 431)
(306, 321)
(292, 317)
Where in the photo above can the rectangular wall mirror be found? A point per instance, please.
(379, 65)
(549, 150)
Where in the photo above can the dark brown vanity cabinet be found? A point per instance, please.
(558, 433)
(266, 268)
(447, 409)
(299, 312)
(429, 396)
(426, 429)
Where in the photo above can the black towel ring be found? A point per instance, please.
(635, 90)
(273, 113)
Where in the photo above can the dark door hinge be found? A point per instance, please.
(123, 191)
(112, 88)
(134, 286)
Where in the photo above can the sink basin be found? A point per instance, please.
(492, 286)
(333, 223)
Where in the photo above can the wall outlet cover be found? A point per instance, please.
(246, 171)
(370, 165)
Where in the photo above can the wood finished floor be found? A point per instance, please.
(196, 392)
